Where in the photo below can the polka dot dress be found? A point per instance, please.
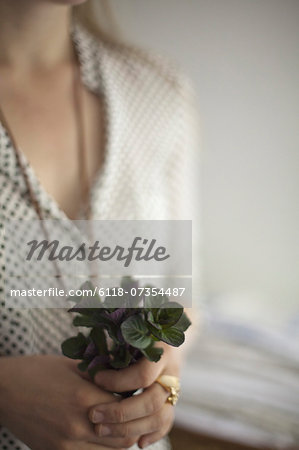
(150, 143)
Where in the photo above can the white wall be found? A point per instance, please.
(243, 56)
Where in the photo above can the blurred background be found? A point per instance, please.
(241, 382)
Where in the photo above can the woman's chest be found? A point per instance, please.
(47, 128)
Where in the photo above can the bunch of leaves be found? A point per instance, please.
(134, 330)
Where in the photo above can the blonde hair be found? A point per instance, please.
(98, 17)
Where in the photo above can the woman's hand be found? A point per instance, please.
(143, 418)
(45, 402)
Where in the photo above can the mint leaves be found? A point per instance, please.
(134, 331)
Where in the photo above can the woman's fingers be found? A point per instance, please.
(142, 405)
(89, 446)
(151, 438)
(139, 375)
(117, 443)
(120, 425)
(157, 422)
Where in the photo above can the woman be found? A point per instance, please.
(136, 118)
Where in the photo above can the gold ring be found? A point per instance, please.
(172, 385)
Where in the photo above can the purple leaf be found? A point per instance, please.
(120, 336)
(99, 360)
(117, 315)
(91, 351)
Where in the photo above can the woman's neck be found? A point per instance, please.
(34, 34)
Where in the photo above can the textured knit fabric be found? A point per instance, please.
(151, 139)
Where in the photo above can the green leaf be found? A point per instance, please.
(83, 365)
(74, 347)
(154, 301)
(126, 282)
(87, 285)
(151, 321)
(90, 302)
(84, 311)
(92, 372)
(169, 314)
(86, 302)
(153, 353)
(184, 323)
(99, 338)
(135, 332)
(171, 336)
(122, 359)
(113, 335)
(84, 321)
(112, 302)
